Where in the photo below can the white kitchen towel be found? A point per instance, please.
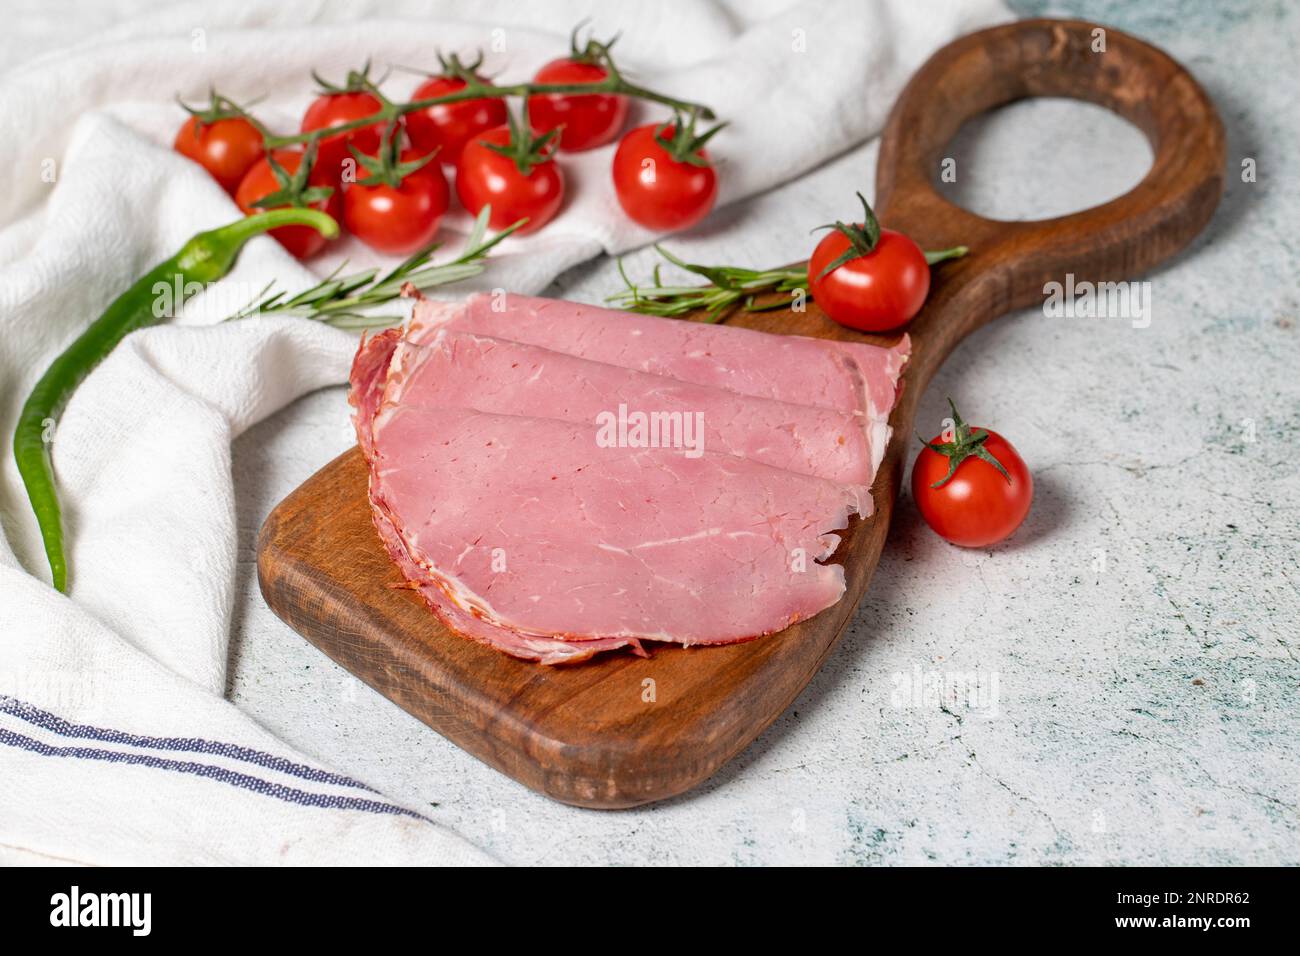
(115, 742)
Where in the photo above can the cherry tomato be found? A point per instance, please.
(398, 219)
(589, 119)
(485, 176)
(875, 292)
(335, 109)
(450, 125)
(302, 241)
(978, 506)
(656, 190)
(226, 148)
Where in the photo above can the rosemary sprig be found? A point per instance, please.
(345, 301)
(730, 285)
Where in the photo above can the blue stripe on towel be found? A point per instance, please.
(221, 774)
(55, 724)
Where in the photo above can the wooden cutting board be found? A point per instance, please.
(621, 731)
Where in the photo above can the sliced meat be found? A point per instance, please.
(369, 377)
(544, 649)
(529, 524)
(844, 376)
(494, 494)
(458, 369)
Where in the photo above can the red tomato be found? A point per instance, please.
(302, 241)
(657, 191)
(977, 506)
(589, 119)
(450, 125)
(334, 109)
(875, 292)
(485, 176)
(398, 219)
(226, 148)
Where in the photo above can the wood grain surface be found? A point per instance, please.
(588, 734)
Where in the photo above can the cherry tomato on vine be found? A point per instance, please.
(449, 126)
(220, 140)
(339, 105)
(514, 172)
(398, 214)
(289, 185)
(585, 120)
(663, 178)
(869, 278)
(971, 486)
(226, 148)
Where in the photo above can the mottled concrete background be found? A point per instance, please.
(1120, 679)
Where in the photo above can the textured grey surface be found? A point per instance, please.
(1121, 677)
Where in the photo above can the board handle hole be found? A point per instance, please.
(1041, 158)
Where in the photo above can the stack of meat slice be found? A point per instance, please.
(528, 521)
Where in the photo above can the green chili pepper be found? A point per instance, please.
(205, 258)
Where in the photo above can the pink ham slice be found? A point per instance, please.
(844, 376)
(369, 371)
(529, 524)
(487, 374)
(368, 377)
(520, 531)
(543, 648)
